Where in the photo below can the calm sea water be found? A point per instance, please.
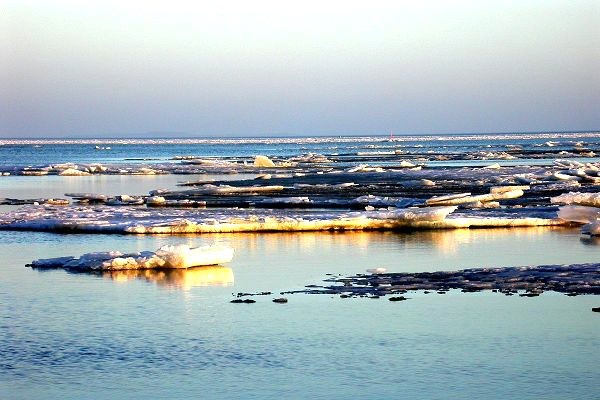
(65, 335)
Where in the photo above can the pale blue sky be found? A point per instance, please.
(232, 68)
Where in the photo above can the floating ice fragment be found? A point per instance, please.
(263, 161)
(57, 202)
(155, 200)
(564, 177)
(504, 189)
(378, 270)
(180, 256)
(498, 194)
(406, 164)
(584, 199)
(378, 201)
(96, 168)
(365, 168)
(441, 199)
(310, 158)
(73, 172)
(34, 171)
(286, 200)
(88, 197)
(125, 199)
(493, 166)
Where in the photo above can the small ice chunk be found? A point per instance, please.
(463, 199)
(286, 200)
(73, 172)
(57, 202)
(564, 177)
(155, 200)
(418, 214)
(441, 199)
(493, 166)
(87, 196)
(378, 270)
(365, 168)
(125, 199)
(263, 161)
(96, 168)
(504, 189)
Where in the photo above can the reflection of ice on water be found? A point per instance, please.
(590, 240)
(184, 279)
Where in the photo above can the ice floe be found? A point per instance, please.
(127, 219)
(581, 214)
(466, 198)
(263, 161)
(530, 281)
(583, 199)
(73, 172)
(180, 256)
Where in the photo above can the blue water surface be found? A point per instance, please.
(66, 335)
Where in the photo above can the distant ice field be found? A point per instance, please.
(22, 152)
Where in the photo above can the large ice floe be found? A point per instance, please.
(127, 219)
(180, 256)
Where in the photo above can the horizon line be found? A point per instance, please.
(184, 135)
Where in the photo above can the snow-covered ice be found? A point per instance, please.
(180, 256)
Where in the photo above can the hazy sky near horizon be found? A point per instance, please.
(233, 68)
